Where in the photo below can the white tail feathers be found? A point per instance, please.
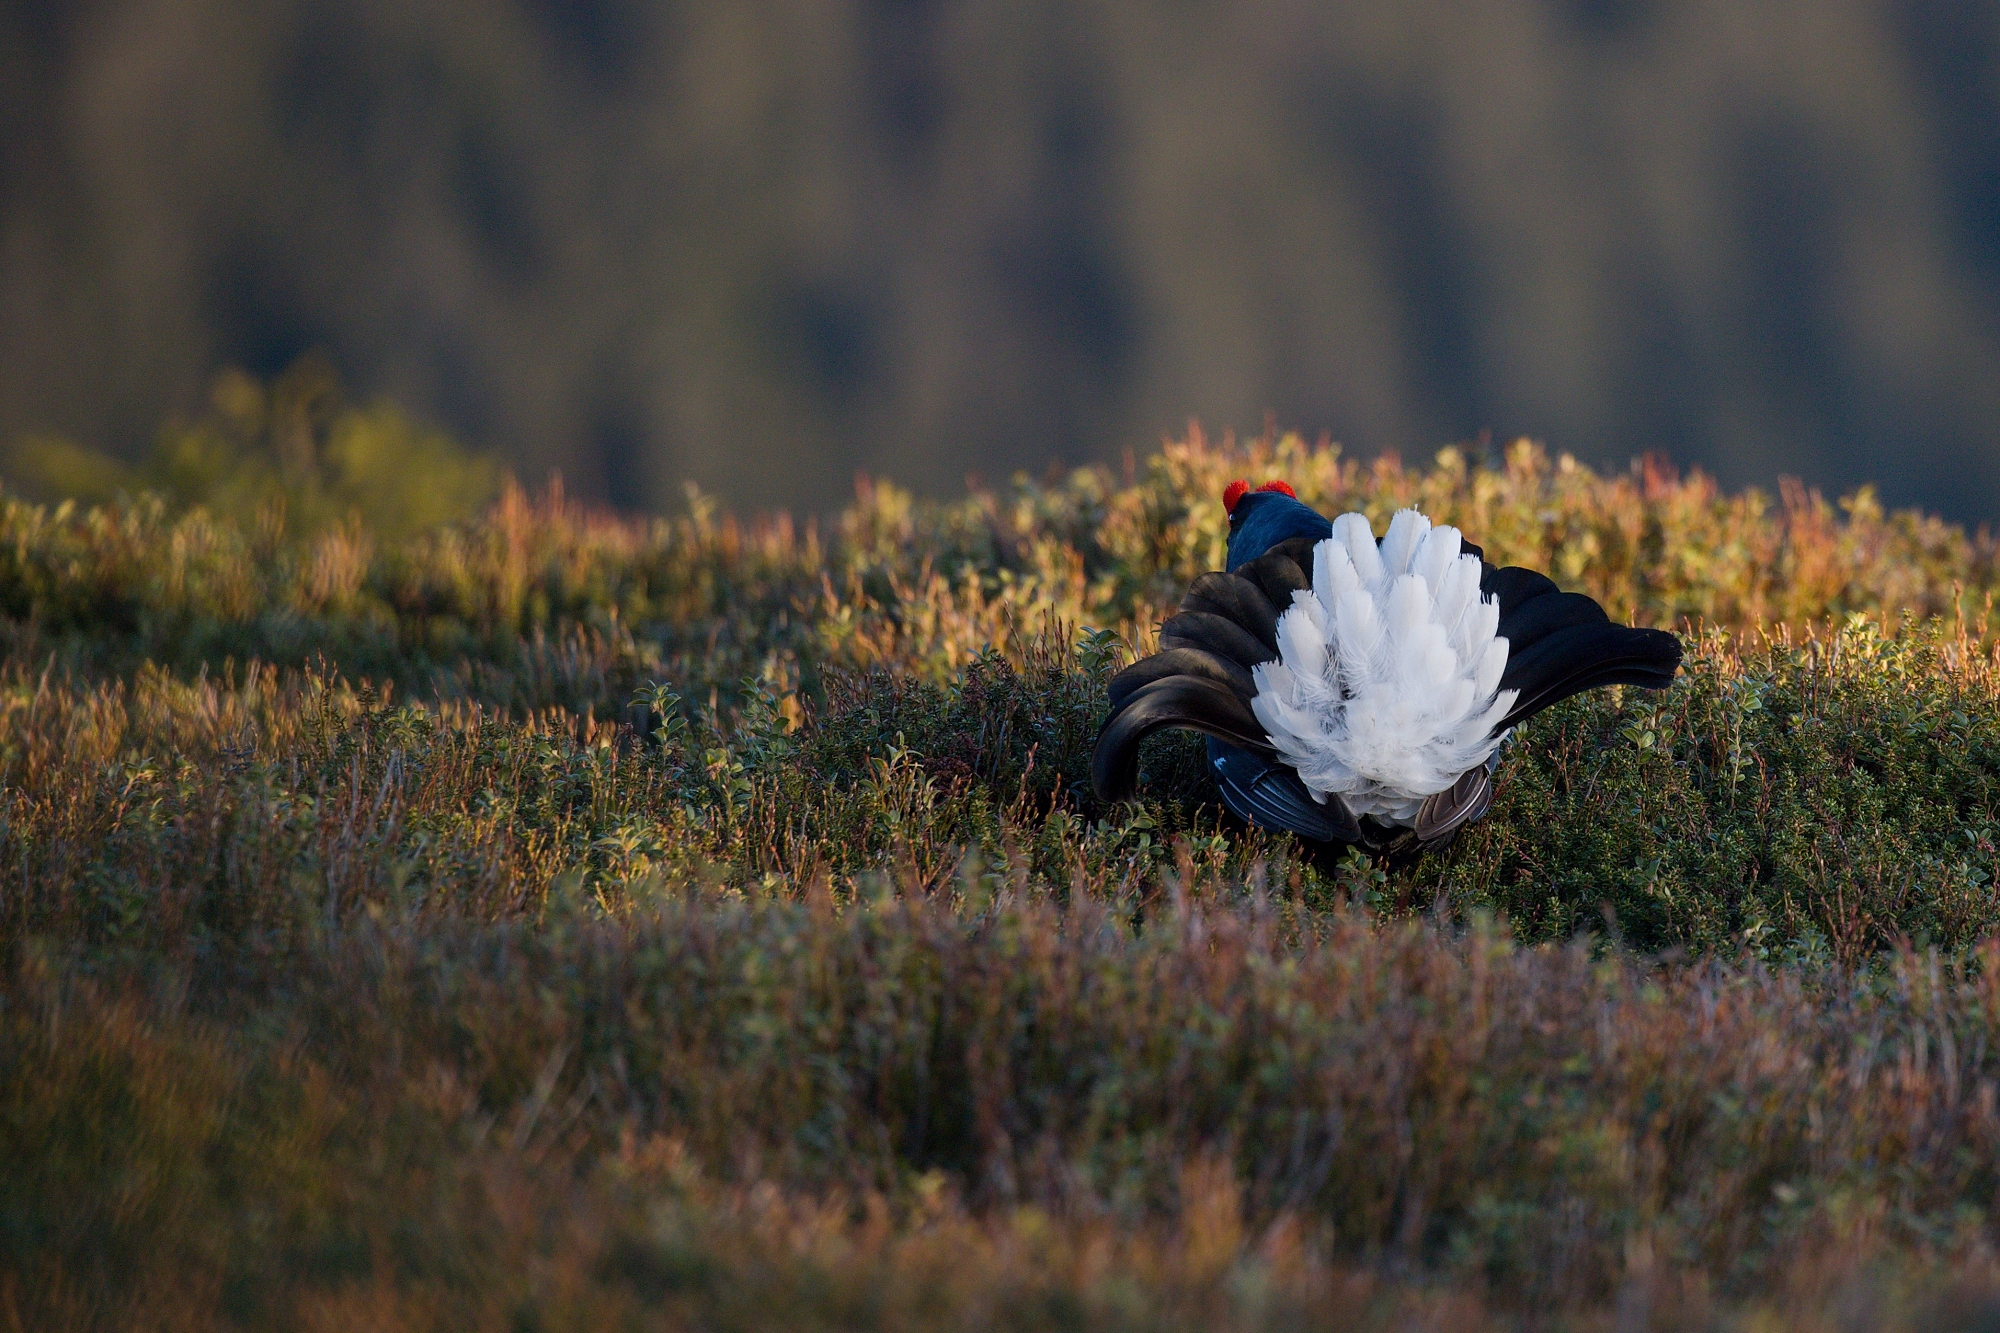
(1387, 685)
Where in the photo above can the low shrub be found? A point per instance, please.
(561, 921)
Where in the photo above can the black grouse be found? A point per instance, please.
(1356, 691)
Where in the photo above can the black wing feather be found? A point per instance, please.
(1215, 634)
(1270, 795)
(1238, 600)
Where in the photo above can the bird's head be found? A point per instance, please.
(1233, 493)
(1260, 519)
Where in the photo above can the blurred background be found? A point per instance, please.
(763, 244)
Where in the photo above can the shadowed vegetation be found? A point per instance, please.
(558, 921)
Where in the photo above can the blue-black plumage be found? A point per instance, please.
(1260, 520)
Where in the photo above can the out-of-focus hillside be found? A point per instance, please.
(763, 245)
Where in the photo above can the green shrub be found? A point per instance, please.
(292, 456)
(1836, 795)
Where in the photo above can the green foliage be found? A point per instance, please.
(544, 602)
(1836, 795)
(1833, 798)
(290, 456)
(561, 921)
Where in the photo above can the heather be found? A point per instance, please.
(553, 920)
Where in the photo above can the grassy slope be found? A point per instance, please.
(374, 956)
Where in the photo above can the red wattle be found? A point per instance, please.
(1233, 492)
(1282, 487)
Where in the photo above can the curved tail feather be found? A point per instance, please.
(1180, 662)
(1583, 657)
(1194, 702)
(1512, 586)
(1561, 643)
(1239, 601)
(1532, 621)
(1280, 575)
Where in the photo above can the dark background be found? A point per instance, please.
(764, 245)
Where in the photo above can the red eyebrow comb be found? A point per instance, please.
(1239, 488)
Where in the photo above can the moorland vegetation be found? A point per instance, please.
(545, 919)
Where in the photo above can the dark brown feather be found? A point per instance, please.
(1215, 634)
(1237, 599)
(1443, 814)
(1299, 550)
(1180, 662)
(1279, 576)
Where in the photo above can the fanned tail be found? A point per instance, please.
(1206, 675)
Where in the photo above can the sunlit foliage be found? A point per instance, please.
(288, 457)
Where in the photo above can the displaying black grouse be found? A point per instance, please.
(1355, 691)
